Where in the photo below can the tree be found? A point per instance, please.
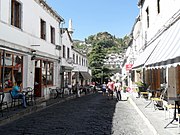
(96, 60)
(97, 47)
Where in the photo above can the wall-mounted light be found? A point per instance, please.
(33, 57)
(58, 47)
(59, 59)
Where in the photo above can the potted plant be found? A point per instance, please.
(141, 87)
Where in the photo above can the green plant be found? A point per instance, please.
(139, 84)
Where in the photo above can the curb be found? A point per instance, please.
(148, 123)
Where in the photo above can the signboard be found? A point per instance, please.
(128, 67)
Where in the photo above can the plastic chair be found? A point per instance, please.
(3, 103)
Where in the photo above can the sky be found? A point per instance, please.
(90, 17)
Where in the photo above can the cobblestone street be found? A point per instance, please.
(89, 115)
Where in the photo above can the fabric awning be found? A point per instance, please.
(85, 75)
(143, 57)
(168, 50)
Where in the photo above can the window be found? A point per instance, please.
(68, 52)
(43, 29)
(16, 13)
(158, 6)
(147, 12)
(52, 35)
(74, 58)
(79, 60)
(82, 62)
(64, 51)
(12, 69)
(47, 72)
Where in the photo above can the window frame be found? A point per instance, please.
(68, 52)
(148, 20)
(42, 29)
(158, 6)
(16, 16)
(52, 29)
(16, 70)
(47, 72)
(64, 51)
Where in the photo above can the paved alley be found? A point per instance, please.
(89, 115)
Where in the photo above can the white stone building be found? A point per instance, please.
(35, 48)
(156, 39)
(30, 45)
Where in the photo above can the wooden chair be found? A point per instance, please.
(3, 104)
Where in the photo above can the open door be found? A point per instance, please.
(37, 83)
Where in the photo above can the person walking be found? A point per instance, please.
(118, 90)
(110, 87)
(104, 85)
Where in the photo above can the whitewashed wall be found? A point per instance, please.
(79, 67)
(157, 21)
(30, 32)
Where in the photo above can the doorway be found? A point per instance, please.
(37, 82)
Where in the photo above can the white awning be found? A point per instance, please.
(143, 57)
(168, 50)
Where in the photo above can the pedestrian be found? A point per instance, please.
(77, 91)
(118, 90)
(110, 87)
(104, 85)
(16, 92)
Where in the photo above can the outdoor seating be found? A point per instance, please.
(3, 104)
(56, 92)
(66, 91)
(14, 100)
(158, 101)
(60, 92)
(146, 93)
(176, 109)
(29, 94)
(168, 108)
(52, 92)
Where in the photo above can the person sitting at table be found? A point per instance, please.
(16, 92)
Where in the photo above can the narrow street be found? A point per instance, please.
(89, 115)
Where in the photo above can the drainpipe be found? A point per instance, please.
(3, 71)
(60, 41)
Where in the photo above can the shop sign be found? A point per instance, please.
(128, 67)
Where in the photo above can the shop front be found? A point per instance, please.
(11, 69)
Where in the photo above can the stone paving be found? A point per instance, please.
(92, 114)
(88, 115)
(155, 119)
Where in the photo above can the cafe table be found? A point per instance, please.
(177, 104)
(28, 92)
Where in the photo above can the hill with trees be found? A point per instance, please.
(97, 47)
